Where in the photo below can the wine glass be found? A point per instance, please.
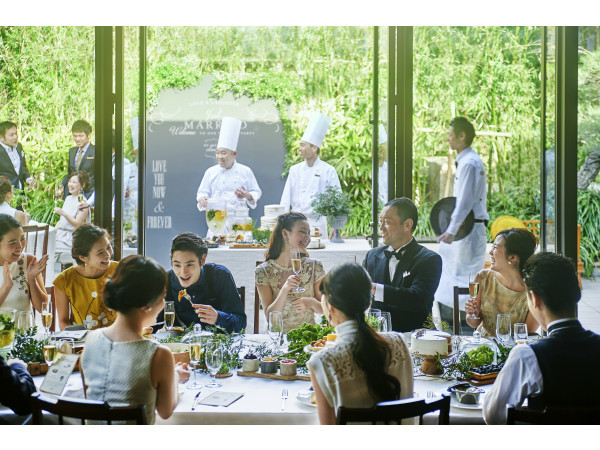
(47, 316)
(503, 328)
(520, 333)
(473, 292)
(296, 267)
(25, 320)
(50, 350)
(195, 358)
(213, 357)
(275, 327)
(169, 315)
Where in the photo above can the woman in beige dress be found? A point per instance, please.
(276, 281)
(501, 287)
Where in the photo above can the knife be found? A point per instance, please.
(196, 400)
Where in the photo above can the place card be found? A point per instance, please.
(58, 374)
(221, 398)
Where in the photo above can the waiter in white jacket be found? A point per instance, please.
(467, 256)
(229, 180)
(311, 177)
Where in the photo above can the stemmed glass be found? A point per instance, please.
(169, 315)
(25, 320)
(473, 292)
(520, 333)
(195, 358)
(296, 267)
(50, 350)
(47, 316)
(275, 327)
(503, 328)
(213, 357)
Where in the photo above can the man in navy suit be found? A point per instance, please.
(405, 274)
(12, 158)
(82, 156)
(16, 387)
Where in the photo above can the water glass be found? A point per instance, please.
(275, 327)
(503, 328)
(25, 320)
(213, 357)
(387, 321)
(520, 333)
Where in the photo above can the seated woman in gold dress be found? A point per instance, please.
(501, 287)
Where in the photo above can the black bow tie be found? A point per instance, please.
(389, 254)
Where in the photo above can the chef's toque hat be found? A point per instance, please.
(316, 129)
(382, 134)
(230, 133)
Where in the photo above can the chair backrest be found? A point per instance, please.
(394, 411)
(456, 311)
(84, 410)
(35, 234)
(580, 415)
(242, 292)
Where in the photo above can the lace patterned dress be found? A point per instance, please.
(18, 297)
(340, 379)
(272, 274)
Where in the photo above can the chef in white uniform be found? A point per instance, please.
(229, 180)
(311, 177)
(467, 256)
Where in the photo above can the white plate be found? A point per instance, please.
(311, 349)
(303, 396)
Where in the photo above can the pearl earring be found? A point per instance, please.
(510, 262)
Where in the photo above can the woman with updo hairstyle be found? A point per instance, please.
(21, 282)
(6, 195)
(71, 216)
(501, 287)
(276, 281)
(364, 367)
(78, 289)
(118, 365)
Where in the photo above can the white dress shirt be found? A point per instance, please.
(520, 378)
(393, 263)
(304, 182)
(221, 182)
(470, 189)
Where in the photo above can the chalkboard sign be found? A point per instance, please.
(182, 134)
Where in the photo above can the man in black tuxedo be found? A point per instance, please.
(82, 156)
(405, 274)
(12, 157)
(542, 371)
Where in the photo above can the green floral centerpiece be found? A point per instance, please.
(336, 205)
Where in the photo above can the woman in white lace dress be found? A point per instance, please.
(364, 367)
(120, 366)
(276, 281)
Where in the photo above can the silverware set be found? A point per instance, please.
(284, 395)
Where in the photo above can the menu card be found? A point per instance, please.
(58, 375)
(221, 398)
(78, 335)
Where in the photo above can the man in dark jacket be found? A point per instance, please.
(405, 274)
(13, 164)
(16, 386)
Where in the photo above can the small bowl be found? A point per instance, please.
(250, 365)
(287, 367)
(268, 366)
(466, 394)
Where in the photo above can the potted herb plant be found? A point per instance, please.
(30, 350)
(336, 206)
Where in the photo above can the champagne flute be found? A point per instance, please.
(520, 333)
(25, 320)
(275, 327)
(296, 267)
(47, 316)
(195, 358)
(213, 356)
(503, 328)
(50, 351)
(169, 315)
(473, 292)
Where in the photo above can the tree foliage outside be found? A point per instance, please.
(489, 74)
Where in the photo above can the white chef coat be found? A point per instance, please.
(221, 182)
(466, 256)
(302, 186)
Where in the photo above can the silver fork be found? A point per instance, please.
(284, 395)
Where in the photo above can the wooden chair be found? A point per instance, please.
(456, 311)
(242, 292)
(579, 415)
(394, 411)
(32, 234)
(84, 410)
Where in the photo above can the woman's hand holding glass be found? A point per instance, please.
(296, 259)
(292, 283)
